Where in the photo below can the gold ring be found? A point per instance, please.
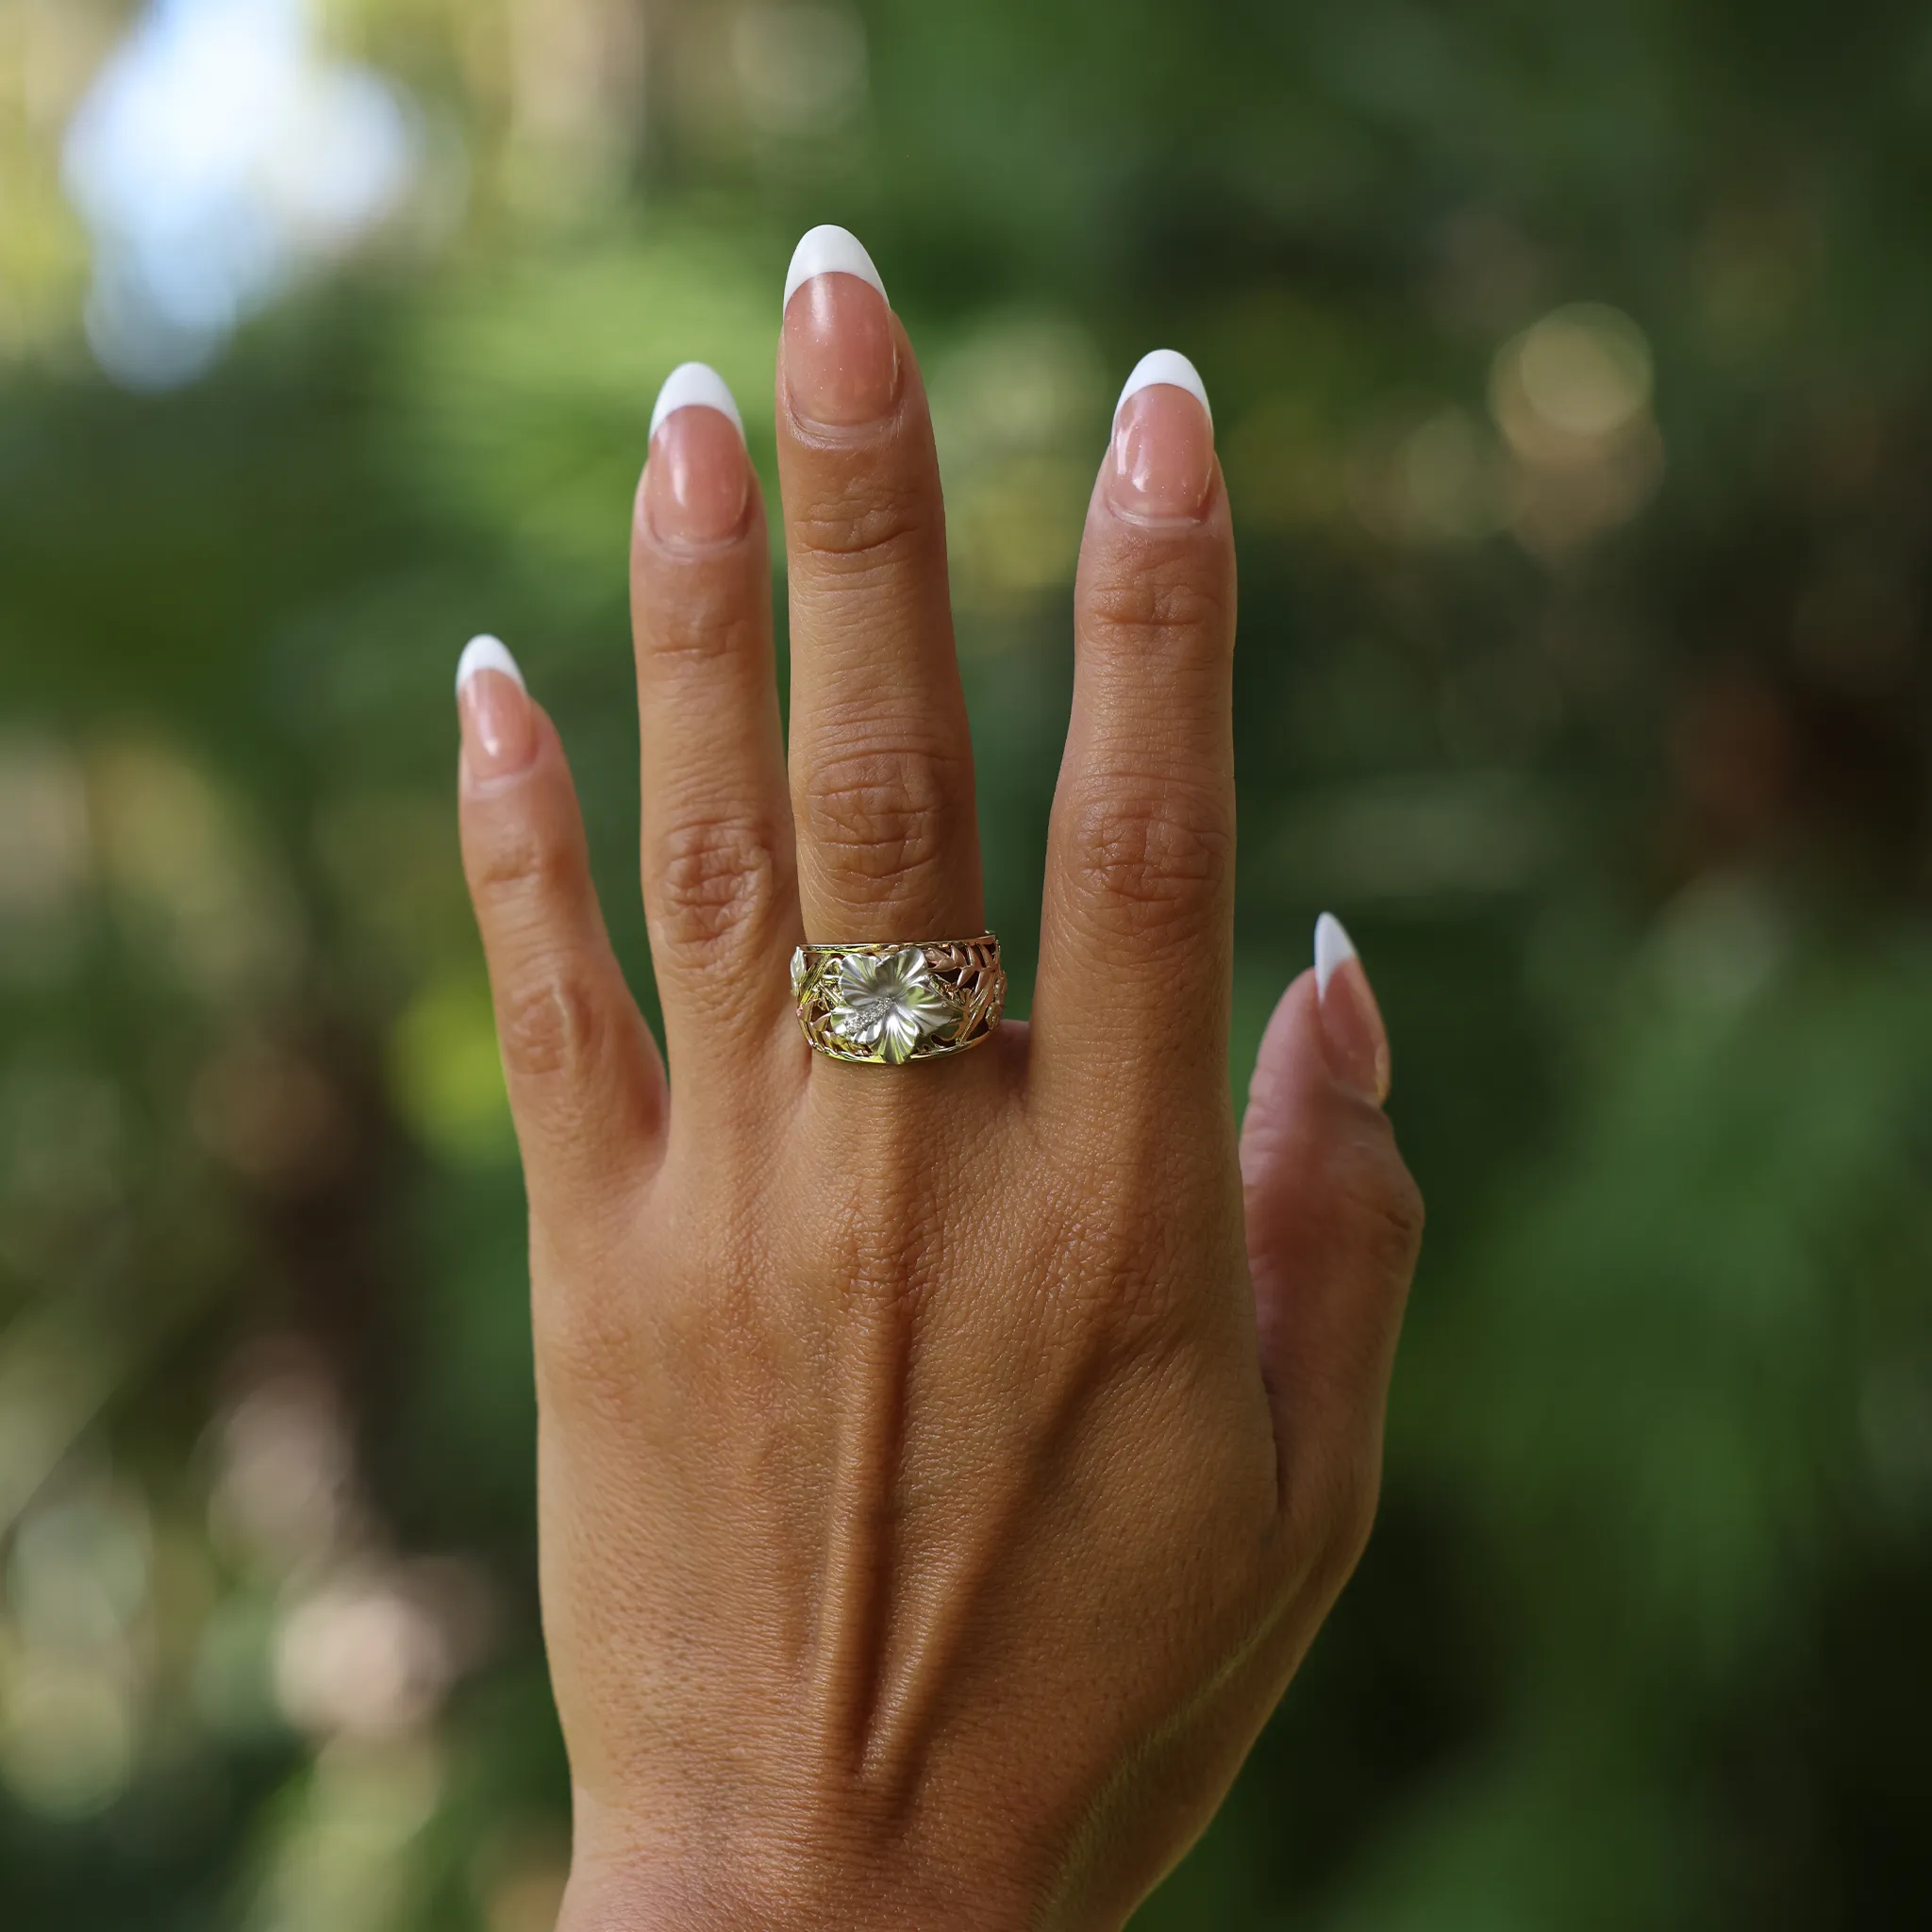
(896, 1002)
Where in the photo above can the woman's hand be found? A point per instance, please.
(943, 1467)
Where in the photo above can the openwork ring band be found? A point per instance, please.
(896, 1002)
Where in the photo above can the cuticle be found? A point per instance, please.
(1190, 519)
(844, 435)
(690, 547)
(698, 547)
(474, 787)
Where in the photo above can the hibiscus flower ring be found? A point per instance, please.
(890, 1004)
(897, 1003)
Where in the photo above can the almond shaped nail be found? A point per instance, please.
(841, 353)
(1353, 1033)
(1171, 367)
(1161, 464)
(493, 705)
(699, 478)
(487, 653)
(825, 250)
(695, 385)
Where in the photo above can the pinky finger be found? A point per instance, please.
(586, 1084)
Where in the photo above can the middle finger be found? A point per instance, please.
(881, 758)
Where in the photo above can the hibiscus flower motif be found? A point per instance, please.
(890, 1002)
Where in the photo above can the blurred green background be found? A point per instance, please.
(1572, 375)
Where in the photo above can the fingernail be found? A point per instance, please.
(842, 364)
(499, 728)
(1161, 465)
(1352, 1029)
(698, 479)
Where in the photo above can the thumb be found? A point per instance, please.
(1334, 1222)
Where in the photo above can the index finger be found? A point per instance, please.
(1137, 931)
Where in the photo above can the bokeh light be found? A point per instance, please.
(217, 157)
(1572, 397)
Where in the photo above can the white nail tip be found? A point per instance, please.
(487, 653)
(1171, 367)
(828, 250)
(696, 384)
(1333, 950)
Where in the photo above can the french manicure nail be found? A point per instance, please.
(1352, 1028)
(842, 361)
(499, 729)
(698, 479)
(1161, 465)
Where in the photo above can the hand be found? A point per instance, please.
(943, 1467)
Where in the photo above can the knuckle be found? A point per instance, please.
(706, 625)
(1153, 860)
(883, 817)
(1406, 1213)
(1174, 601)
(552, 1026)
(863, 527)
(523, 860)
(718, 876)
(1384, 1211)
